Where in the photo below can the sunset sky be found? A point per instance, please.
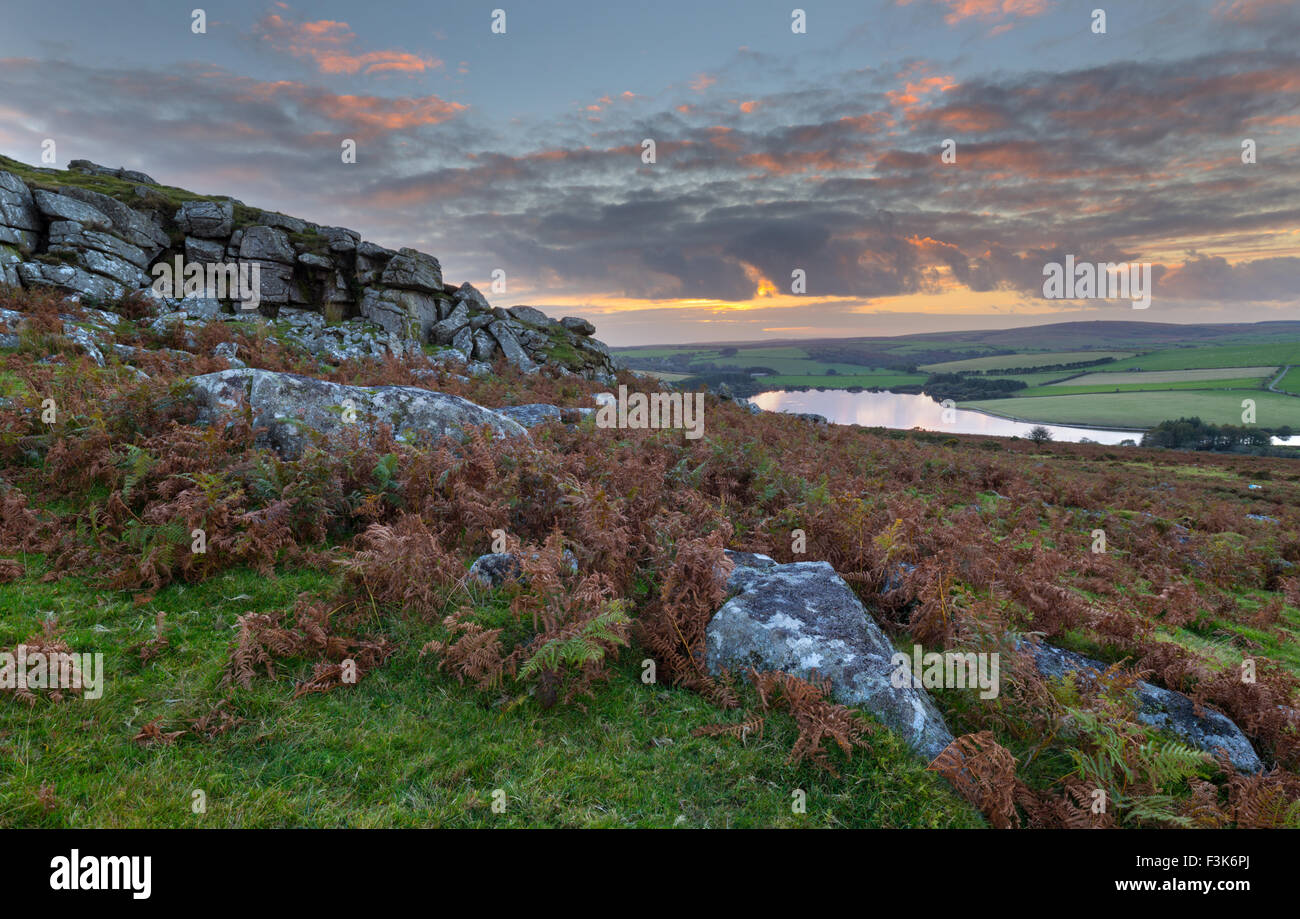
(775, 151)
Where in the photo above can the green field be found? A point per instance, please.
(1174, 376)
(1290, 382)
(1155, 372)
(1071, 388)
(1147, 409)
(1274, 355)
(1023, 361)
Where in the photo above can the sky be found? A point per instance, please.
(519, 154)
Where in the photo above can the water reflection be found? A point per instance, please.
(905, 411)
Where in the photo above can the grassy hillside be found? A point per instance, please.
(1027, 361)
(1146, 409)
(1275, 354)
(225, 668)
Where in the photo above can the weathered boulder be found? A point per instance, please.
(513, 352)
(535, 413)
(578, 326)
(804, 620)
(463, 340)
(17, 208)
(409, 313)
(266, 244)
(70, 278)
(290, 407)
(341, 239)
(19, 219)
(69, 235)
(137, 228)
(204, 250)
(128, 274)
(206, 219)
(281, 221)
(532, 316)
(496, 568)
(412, 270)
(371, 260)
(444, 331)
(485, 346)
(88, 168)
(9, 261)
(470, 295)
(61, 207)
(1162, 709)
(313, 260)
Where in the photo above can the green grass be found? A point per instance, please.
(1023, 361)
(1073, 387)
(1146, 409)
(1290, 381)
(1232, 642)
(407, 746)
(1275, 355)
(1175, 376)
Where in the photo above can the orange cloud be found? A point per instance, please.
(358, 113)
(703, 82)
(988, 10)
(790, 163)
(1247, 10)
(326, 42)
(385, 114)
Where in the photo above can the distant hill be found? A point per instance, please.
(1098, 334)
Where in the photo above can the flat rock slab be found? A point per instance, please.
(291, 406)
(803, 619)
(1162, 709)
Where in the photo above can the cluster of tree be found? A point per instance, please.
(1051, 368)
(1195, 434)
(864, 356)
(962, 388)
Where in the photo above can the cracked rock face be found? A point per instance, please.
(803, 619)
(94, 245)
(292, 407)
(1162, 709)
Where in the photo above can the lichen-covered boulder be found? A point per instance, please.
(578, 326)
(535, 413)
(803, 619)
(206, 219)
(413, 270)
(1162, 709)
(266, 244)
(291, 407)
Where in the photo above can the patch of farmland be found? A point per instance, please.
(1214, 356)
(1290, 382)
(1024, 361)
(1147, 409)
(1173, 376)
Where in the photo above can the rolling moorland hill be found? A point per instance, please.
(385, 582)
(1130, 375)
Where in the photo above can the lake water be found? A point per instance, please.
(904, 412)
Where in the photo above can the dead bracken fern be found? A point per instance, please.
(984, 773)
(817, 719)
(673, 628)
(740, 731)
(152, 733)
